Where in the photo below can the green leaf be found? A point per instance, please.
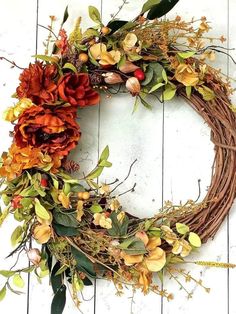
(95, 173)
(194, 240)
(145, 104)
(7, 273)
(105, 163)
(136, 103)
(188, 91)
(148, 76)
(61, 270)
(156, 87)
(59, 301)
(70, 66)
(96, 208)
(56, 280)
(16, 236)
(114, 25)
(83, 263)
(164, 76)
(66, 15)
(161, 9)
(94, 14)
(41, 211)
(3, 292)
(149, 4)
(118, 228)
(133, 246)
(65, 231)
(65, 219)
(46, 58)
(105, 154)
(182, 228)
(18, 281)
(169, 93)
(186, 54)
(154, 231)
(207, 93)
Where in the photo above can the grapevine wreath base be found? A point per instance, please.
(83, 230)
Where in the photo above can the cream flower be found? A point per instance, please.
(186, 75)
(101, 220)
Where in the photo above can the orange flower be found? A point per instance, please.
(76, 90)
(62, 43)
(37, 83)
(53, 130)
(19, 159)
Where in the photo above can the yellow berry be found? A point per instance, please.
(105, 30)
(83, 57)
(86, 195)
(80, 195)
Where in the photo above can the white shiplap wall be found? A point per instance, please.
(171, 144)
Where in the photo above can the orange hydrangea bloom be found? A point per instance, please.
(19, 159)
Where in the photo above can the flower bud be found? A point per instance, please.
(128, 67)
(34, 256)
(113, 78)
(133, 86)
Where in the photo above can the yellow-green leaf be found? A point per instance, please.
(16, 235)
(70, 66)
(96, 208)
(41, 211)
(207, 93)
(186, 54)
(182, 228)
(149, 4)
(18, 281)
(3, 292)
(169, 93)
(105, 154)
(94, 14)
(194, 239)
(7, 273)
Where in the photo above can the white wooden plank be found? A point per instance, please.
(188, 157)
(15, 22)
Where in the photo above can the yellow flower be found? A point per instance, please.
(64, 199)
(104, 189)
(110, 58)
(181, 247)
(186, 75)
(169, 235)
(101, 220)
(154, 261)
(130, 41)
(80, 210)
(97, 49)
(121, 216)
(12, 113)
(99, 52)
(114, 204)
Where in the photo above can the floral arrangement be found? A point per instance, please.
(82, 228)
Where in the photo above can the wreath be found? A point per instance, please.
(82, 229)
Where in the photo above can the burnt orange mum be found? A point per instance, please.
(19, 159)
(37, 83)
(76, 90)
(51, 129)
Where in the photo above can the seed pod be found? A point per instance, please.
(133, 86)
(113, 78)
(128, 67)
(34, 256)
